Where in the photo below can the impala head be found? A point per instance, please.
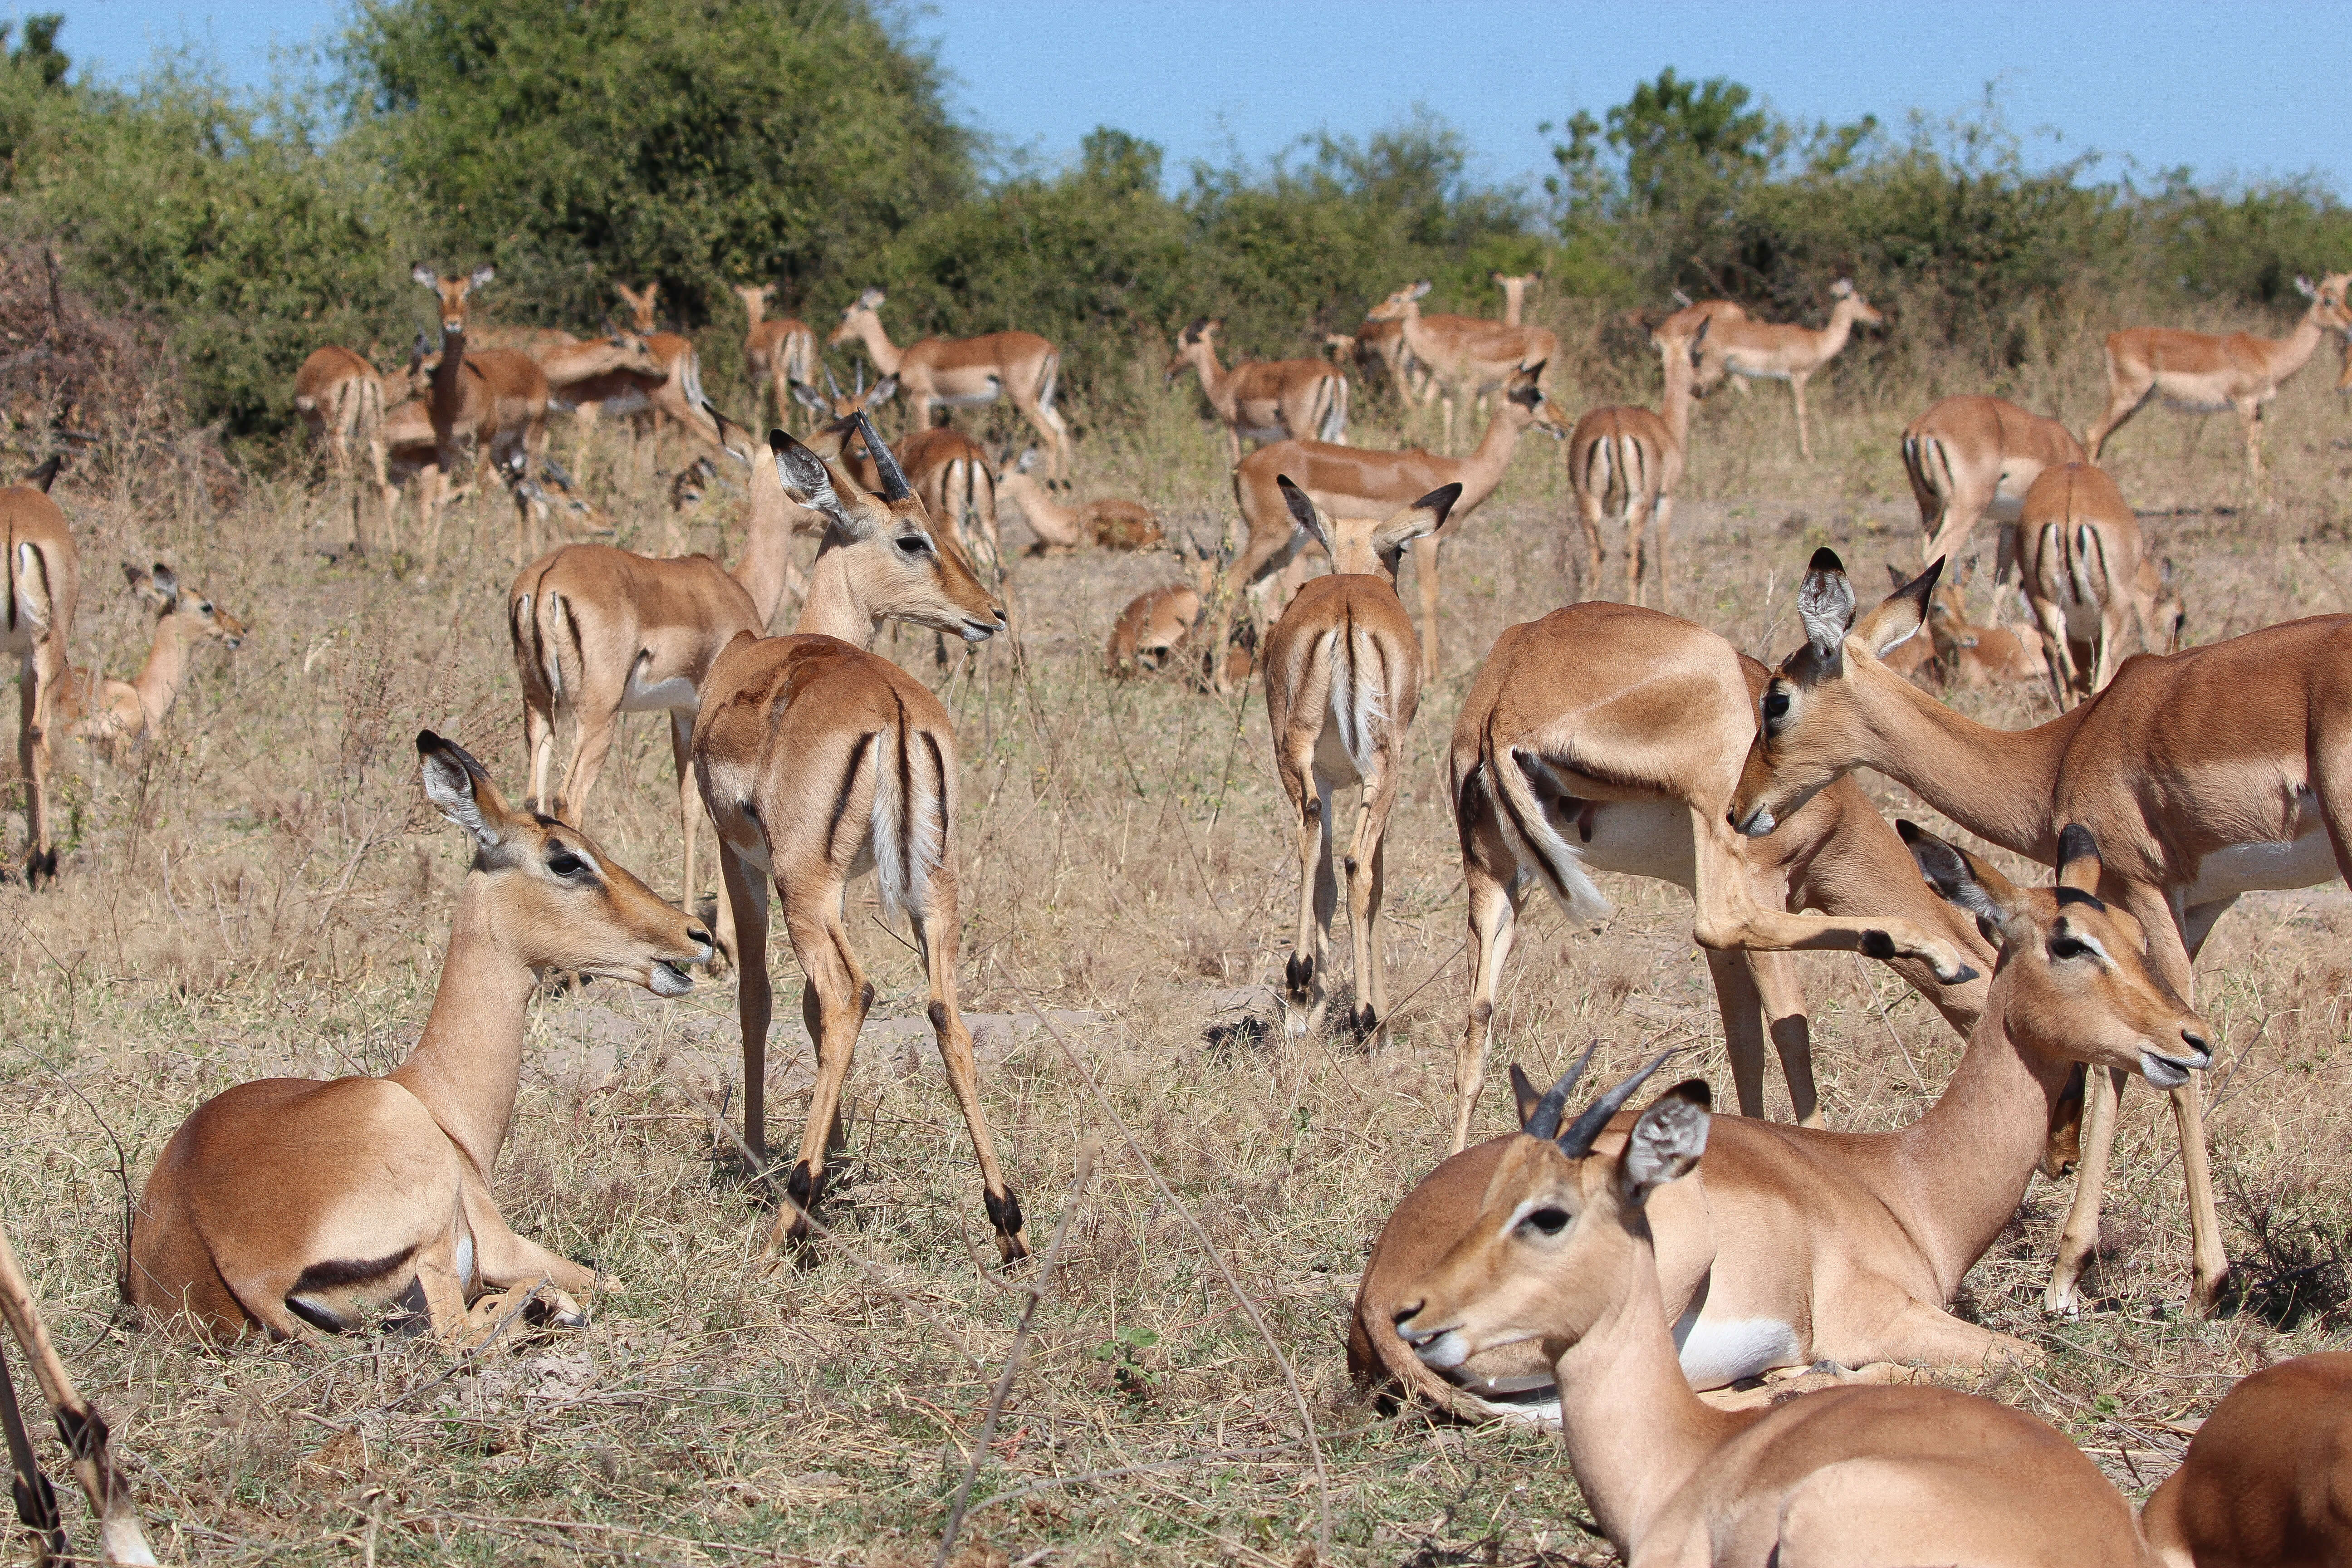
(853, 315)
(1551, 1253)
(1360, 545)
(755, 297)
(2073, 980)
(1814, 711)
(2167, 613)
(1524, 401)
(640, 302)
(902, 569)
(1405, 301)
(1188, 342)
(558, 904)
(455, 292)
(192, 615)
(1679, 353)
(1853, 304)
(2328, 302)
(842, 405)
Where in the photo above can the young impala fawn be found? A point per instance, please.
(286, 1202)
(117, 714)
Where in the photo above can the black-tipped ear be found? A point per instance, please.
(1525, 1095)
(1825, 560)
(460, 787)
(1305, 512)
(42, 478)
(1961, 879)
(802, 472)
(1441, 502)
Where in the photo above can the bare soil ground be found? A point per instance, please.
(263, 892)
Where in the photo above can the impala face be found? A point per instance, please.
(455, 292)
(862, 308)
(196, 618)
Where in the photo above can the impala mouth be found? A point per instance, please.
(2168, 1071)
(1758, 823)
(670, 979)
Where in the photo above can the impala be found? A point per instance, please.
(1564, 1255)
(1465, 356)
(1342, 679)
(1686, 318)
(117, 713)
(1263, 401)
(2265, 1476)
(1608, 737)
(1382, 343)
(341, 399)
(948, 469)
(2202, 374)
(2087, 576)
(599, 632)
(1516, 289)
(288, 1203)
(1957, 649)
(957, 372)
(1637, 456)
(1974, 456)
(44, 592)
(1358, 481)
(2206, 775)
(1752, 350)
(485, 409)
(816, 759)
(1800, 1246)
(780, 353)
(676, 399)
(1159, 624)
(1105, 523)
(574, 365)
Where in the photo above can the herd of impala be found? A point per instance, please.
(1729, 1318)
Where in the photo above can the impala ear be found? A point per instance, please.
(884, 391)
(808, 397)
(1825, 605)
(1419, 289)
(1901, 613)
(2303, 287)
(872, 298)
(1967, 882)
(1666, 1142)
(1424, 516)
(164, 585)
(808, 479)
(1306, 514)
(461, 788)
(423, 274)
(481, 275)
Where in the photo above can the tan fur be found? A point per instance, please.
(341, 399)
(1102, 524)
(1516, 289)
(672, 398)
(1973, 456)
(951, 472)
(1464, 356)
(1278, 399)
(2079, 549)
(2267, 1476)
(117, 714)
(1742, 347)
(486, 409)
(44, 593)
(1637, 457)
(779, 353)
(1019, 366)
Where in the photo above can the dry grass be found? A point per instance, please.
(263, 893)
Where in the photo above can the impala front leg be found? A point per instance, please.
(1425, 568)
(1727, 915)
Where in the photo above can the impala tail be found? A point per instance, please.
(1534, 838)
(1333, 425)
(1358, 706)
(910, 815)
(544, 630)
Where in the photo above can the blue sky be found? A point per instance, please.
(2247, 88)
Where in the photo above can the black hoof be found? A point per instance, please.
(1877, 945)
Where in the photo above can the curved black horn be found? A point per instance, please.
(1576, 1141)
(831, 385)
(894, 481)
(1545, 1122)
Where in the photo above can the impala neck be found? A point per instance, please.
(1832, 343)
(449, 376)
(2294, 351)
(167, 665)
(1482, 471)
(767, 560)
(1676, 402)
(755, 308)
(1040, 507)
(885, 353)
(1214, 381)
(835, 606)
(1634, 1430)
(467, 1065)
(1997, 783)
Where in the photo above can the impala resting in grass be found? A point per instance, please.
(117, 714)
(1753, 350)
(1108, 524)
(1972, 458)
(287, 1203)
(2087, 576)
(1958, 650)
(1799, 1246)
(818, 760)
(44, 592)
(1263, 400)
(2266, 1476)
(1342, 679)
(962, 371)
(1564, 1258)
(2205, 774)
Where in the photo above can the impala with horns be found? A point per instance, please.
(1260, 400)
(674, 397)
(1636, 456)
(1342, 679)
(2087, 576)
(779, 353)
(599, 632)
(2266, 1476)
(1564, 1256)
(1752, 349)
(1359, 481)
(1021, 367)
(1971, 458)
(44, 592)
(1608, 737)
(287, 1203)
(817, 760)
(2199, 372)
(1465, 356)
(1104, 523)
(2206, 775)
(486, 409)
(341, 399)
(117, 714)
(952, 472)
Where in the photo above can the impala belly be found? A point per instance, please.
(1717, 1354)
(668, 694)
(1632, 838)
(1276, 432)
(1756, 373)
(2305, 861)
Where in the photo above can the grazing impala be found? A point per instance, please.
(44, 592)
(573, 365)
(1608, 737)
(1752, 350)
(957, 372)
(2266, 1475)
(779, 353)
(1637, 456)
(1342, 679)
(1465, 356)
(1564, 1257)
(288, 1203)
(818, 760)
(116, 715)
(487, 409)
(1265, 401)
(1107, 523)
(2087, 576)
(2206, 775)
(1975, 457)
(1800, 1246)
(1358, 481)
(341, 399)
(2199, 372)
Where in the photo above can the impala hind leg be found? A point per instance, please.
(1741, 1005)
(538, 745)
(596, 717)
(743, 937)
(1305, 992)
(1804, 435)
(1367, 878)
(935, 933)
(1662, 521)
(2123, 402)
(36, 688)
(834, 1003)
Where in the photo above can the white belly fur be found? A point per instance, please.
(1716, 1355)
(1638, 838)
(1758, 374)
(660, 696)
(2305, 862)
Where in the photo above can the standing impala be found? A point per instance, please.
(1753, 350)
(959, 372)
(1797, 1246)
(44, 592)
(779, 353)
(1342, 679)
(2087, 576)
(2206, 775)
(341, 399)
(1637, 456)
(1358, 481)
(675, 396)
(2199, 372)
(1265, 401)
(1564, 1257)
(1464, 356)
(487, 409)
(286, 1203)
(1975, 457)
(1516, 289)
(818, 760)
(117, 713)
(951, 472)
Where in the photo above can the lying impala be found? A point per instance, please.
(1342, 679)
(44, 592)
(779, 353)
(2266, 1475)
(2202, 374)
(1465, 356)
(486, 409)
(1260, 400)
(1797, 1246)
(341, 399)
(2087, 576)
(959, 372)
(1564, 1258)
(2206, 775)
(1636, 456)
(1974, 456)
(818, 760)
(1358, 481)
(117, 714)
(286, 1203)
(1976, 655)
(1608, 737)
(1753, 350)
(1105, 523)
(1157, 624)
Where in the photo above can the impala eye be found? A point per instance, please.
(914, 545)
(1547, 1221)
(564, 863)
(2066, 947)
(1776, 705)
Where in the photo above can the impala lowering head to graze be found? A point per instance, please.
(1342, 679)
(44, 592)
(116, 715)
(1567, 1251)
(669, 395)
(1263, 401)
(2087, 576)
(1465, 356)
(1636, 456)
(1752, 350)
(287, 1203)
(817, 760)
(958, 372)
(2204, 775)
(1974, 456)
